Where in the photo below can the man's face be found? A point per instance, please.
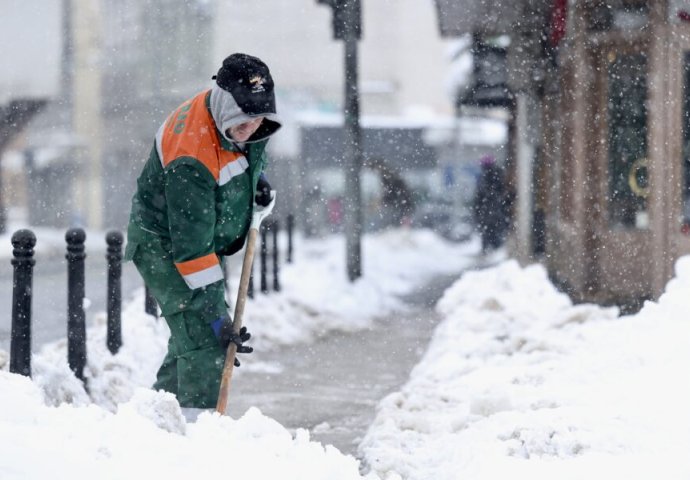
(241, 133)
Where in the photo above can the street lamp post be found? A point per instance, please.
(347, 27)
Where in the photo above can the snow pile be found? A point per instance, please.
(111, 379)
(148, 438)
(520, 383)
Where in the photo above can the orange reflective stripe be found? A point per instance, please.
(198, 264)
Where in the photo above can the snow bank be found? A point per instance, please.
(148, 438)
(520, 383)
(117, 429)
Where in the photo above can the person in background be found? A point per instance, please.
(490, 206)
(397, 202)
(193, 206)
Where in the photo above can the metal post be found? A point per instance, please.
(353, 154)
(264, 254)
(76, 318)
(290, 228)
(275, 227)
(250, 285)
(23, 242)
(226, 279)
(347, 26)
(150, 305)
(3, 213)
(114, 240)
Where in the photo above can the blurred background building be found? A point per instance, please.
(121, 66)
(599, 123)
(408, 78)
(111, 70)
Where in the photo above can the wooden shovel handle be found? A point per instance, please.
(222, 404)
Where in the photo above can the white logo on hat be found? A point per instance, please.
(257, 82)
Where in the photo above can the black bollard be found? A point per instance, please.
(23, 242)
(76, 318)
(275, 227)
(264, 254)
(250, 286)
(226, 277)
(290, 228)
(150, 305)
(114, 240)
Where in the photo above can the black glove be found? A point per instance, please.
(222, 327)
(263, 191)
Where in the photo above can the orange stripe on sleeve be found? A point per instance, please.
(198, 264)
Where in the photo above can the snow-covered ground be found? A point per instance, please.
(517, 383)
(105, 433)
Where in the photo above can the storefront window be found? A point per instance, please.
(627, 121)
(685, 182)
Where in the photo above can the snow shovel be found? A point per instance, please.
(259, 214)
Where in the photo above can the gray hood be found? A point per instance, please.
(227, 113)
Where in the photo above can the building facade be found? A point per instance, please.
(619, 179)
(599, 140)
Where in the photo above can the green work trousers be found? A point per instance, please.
(193, 365)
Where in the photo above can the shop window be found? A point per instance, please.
(627, 136)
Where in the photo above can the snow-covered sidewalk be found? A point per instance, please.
(519, 383)
(111, 425)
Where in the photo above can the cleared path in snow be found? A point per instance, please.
(332, 386)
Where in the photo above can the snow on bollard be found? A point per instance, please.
(23, 242)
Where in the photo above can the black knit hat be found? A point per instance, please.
(248, 80)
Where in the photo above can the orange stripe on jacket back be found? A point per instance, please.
(190, 132)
